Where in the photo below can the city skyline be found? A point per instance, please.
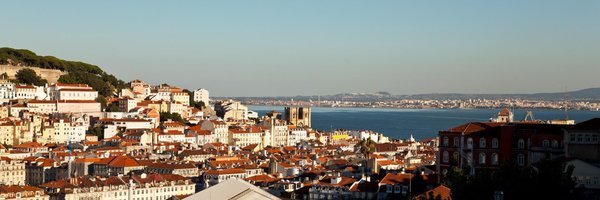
(320, 48)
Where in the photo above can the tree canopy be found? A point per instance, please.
(28, 58)
(164, 116)
(28, 76)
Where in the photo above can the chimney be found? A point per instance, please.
(336, 180)
(73, 181)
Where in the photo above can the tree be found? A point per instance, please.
(103, 87)
(200, 105)
(28, 76)
(102, 100)
(113, 107)
(366, 147)
(97, 131)
(418, 184)
(164, 116)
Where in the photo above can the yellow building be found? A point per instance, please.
(12, 172)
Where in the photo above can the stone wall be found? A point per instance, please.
(51, 75)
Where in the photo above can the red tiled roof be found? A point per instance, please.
(392, 179)
(504, 112)
(76, 90)
(225, 171)
(474, 127)
(442, 191)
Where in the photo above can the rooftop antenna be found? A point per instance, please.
(529, 116)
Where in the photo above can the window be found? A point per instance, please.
(494, 159)
(445, 143)
(470, 158)
(445, 156)
(554, 144)
(521, 144)
(595, 138)
(546, 143)
(495, 143)
(520, 159)
(456, 141)
(482, 158)
(469, 143)
(482, 142)
(588, 138)
(455, 155)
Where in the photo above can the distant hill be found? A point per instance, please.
(77, 72)
(584, 94)
(590, 94)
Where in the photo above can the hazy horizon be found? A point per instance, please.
(342, 92)
(285, 48)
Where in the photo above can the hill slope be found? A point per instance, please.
(77, 72)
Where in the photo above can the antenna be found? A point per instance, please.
(529, 116)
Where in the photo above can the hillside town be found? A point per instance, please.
(59, 141)
(408, 103)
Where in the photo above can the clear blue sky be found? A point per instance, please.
(270, 48)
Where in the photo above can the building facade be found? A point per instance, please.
(298, 116)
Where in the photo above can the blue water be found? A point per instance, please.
(422, 123)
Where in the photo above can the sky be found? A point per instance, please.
(285, 48)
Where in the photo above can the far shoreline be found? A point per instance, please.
(432, 108)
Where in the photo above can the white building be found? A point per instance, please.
(241, 137)
(135, 187)
(296, 135)
(25, 91)
(278, 130)
(585, 174)
(54, 90)
(77, 94)
(219, 130)
(127, 103)
(202, 95)
(179, 108)
(214, 177)
(89, 107)
(233, 189)
(364, 134)
(181, 97)
(172, 136)
(112, 126)
(12, 172)
(42, 106)
(66, 131)
(231, 109)
(7, 89)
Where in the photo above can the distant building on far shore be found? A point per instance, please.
(298, 116)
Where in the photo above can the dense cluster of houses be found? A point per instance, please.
(57, 142)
